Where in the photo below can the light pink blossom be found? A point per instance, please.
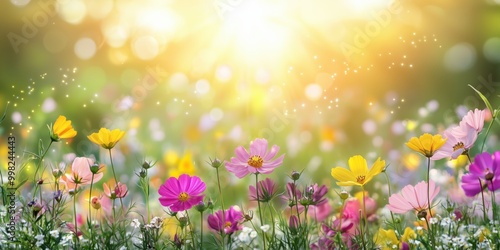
(413, 198)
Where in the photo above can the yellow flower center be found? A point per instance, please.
(360, 179)
(227, 224)
(458, 146)
(255, 161)
(183, 196)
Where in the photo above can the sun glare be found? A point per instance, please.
(256, 31)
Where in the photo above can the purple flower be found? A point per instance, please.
(230, 224)
(314, 195)
(181, 194)
(267, 191)
(483, 172)
(258, 160)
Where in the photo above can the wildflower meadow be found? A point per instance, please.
(83, 204)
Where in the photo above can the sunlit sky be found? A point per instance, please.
(326, 71)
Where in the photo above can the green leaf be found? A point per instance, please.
(485, 100)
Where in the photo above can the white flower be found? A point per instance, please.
(123, 248)
(244, 237)
(445, 222)
(39, 237)
(135, 223)
(434, 220)
(265, 228)
(54, 233)
(253, 234)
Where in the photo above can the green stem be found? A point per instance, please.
(485, 217)
(365, 220)
(201, 230)
(296, 201)
(191, 230)
(114, 175)
(430, 236)
(260, 211)
(428, 185)
(390, 193)
(223, 234)
(488, 130)
(90, 213)
(74, 210)
(38, 167)
(493, 203)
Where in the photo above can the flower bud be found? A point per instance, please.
(344, 195)
(94, 168)
(57, 173)
(142, 173)
(95, 202)
(147, 165)
(216, 163)
(489, 176)
(295, 175)
(200, 207)
(39, 182)
(183, 221)
(422, 214)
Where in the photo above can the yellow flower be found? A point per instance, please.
(426, 144)
(185, 166)
(386, 239)
(408, 235)
(106, 138)
(62, 129)
(359, 174)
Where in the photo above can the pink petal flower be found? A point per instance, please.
(412, 198)
(258, 160)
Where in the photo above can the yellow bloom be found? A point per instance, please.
(408, 235)
(106, 138)
(426, 144)
(359, 174)
(185, 166)
(386, 239)
(62, 129)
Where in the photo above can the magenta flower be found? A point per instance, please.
(258, 160)
(230, 224)
(483, 172)
(181, 194)
(413, 198)
(267, 191)
(459, 140)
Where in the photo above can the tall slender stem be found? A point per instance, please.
(191, 230)
(38, 167)
(296, 200)
(90, 213)
(428, 185)
(74, 210)
(223, 234)
(114, 175)
(201, 230)
(485, 217)
(493, 203)
(390, 193)
(260, 211)
(365, 220)
(488, 130)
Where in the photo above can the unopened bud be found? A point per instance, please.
(295, 175)
(94, 168)
(216, 163)
(344, 195)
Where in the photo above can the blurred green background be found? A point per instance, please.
(324, 80)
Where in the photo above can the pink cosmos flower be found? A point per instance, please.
(230, 224)
(80, 173)
(483, 172)
(475, 119)
(459, 140)
(181, 194)
(119, 191)
(412, 198)
(258, 160)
